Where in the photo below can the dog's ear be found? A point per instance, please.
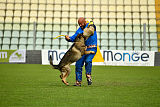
(79, 36)
(82, 36)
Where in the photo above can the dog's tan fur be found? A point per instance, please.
(76, 51)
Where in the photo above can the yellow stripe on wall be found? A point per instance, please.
(157, 8)
(98, 57)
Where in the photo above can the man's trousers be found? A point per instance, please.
(87, 59)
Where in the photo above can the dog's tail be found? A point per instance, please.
(51, 63)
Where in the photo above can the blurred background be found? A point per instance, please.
(32, 24)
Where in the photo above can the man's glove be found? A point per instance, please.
(67, 38)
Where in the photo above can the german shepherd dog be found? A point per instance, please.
(75, 52)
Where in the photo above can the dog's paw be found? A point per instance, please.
(65, 82)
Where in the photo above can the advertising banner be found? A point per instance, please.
(56, 56)
(13, 56)
(128, 58)
(111, 57)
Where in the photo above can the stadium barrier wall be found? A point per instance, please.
(33, 57)
(41, 56)
(111, 57)
(157, 59)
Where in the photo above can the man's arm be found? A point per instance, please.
(72, 38)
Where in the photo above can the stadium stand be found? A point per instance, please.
(119, 23)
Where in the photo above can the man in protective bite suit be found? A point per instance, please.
(88, 29)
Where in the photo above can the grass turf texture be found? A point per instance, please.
(33, 85)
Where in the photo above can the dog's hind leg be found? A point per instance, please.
(65, 73)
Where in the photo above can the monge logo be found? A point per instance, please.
(125, 56)
(3, 55)
(55, 55)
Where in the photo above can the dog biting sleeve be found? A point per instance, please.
(88, 31)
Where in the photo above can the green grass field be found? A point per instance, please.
(33, 85)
